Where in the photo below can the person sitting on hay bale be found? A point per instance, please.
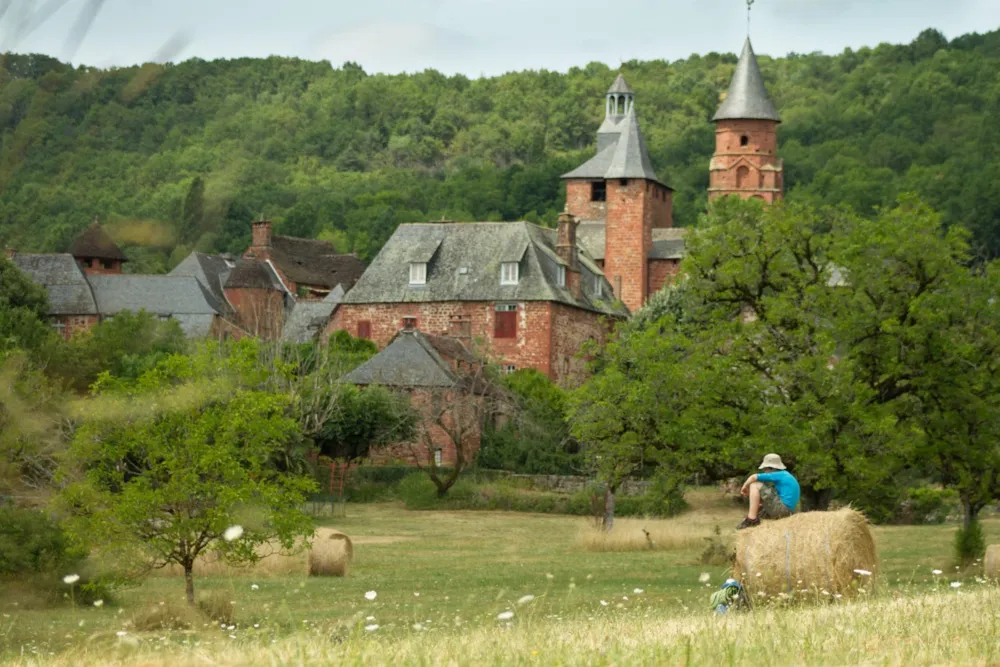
(774, 493)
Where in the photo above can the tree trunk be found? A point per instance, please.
(189, 581)
(970, 512)
(816, 499)
(609, 508)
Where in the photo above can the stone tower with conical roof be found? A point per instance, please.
(620, 202)
(746, 162)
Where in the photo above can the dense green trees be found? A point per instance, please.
(201, 148)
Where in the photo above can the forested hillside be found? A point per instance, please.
(204, 147)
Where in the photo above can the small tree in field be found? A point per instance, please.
(162, 469)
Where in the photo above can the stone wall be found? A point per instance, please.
(571, 483)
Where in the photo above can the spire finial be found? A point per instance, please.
(749, 7)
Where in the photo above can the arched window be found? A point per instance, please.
(743, 177)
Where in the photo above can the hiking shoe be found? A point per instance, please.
(748, 523)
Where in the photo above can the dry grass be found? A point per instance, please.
(991, 564)
(948, 628)
(218, 606)
(331, 554)
(645, 535)
(809, 552)
(168, 616)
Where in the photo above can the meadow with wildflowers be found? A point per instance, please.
(500, 588)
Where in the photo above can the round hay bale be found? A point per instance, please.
(330, 554)
(991, 564)
(813, 551)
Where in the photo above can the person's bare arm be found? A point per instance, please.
(745, 491)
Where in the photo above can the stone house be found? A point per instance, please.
(444, 381)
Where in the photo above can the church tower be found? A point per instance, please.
(746, 162)
(622, 206)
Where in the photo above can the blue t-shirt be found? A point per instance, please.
(786, 486)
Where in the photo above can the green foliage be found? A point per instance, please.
(339, 153)
(162, 465)
(535, 440)
(970, 543)
(362, 419)
(929, 505)
(32, 543)
(23, 310)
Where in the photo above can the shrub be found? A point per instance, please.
(168, 616)
(32, 543)
(930, 505)
(665, 497)
(218, 606)
(417, 492)
(970, 543)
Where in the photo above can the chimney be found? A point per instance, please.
(566, 240)
(261, 233)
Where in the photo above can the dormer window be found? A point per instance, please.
(561, 275)
(509, 273)
(418, 273)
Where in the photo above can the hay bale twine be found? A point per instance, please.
(814, 551)
(991, 564)
(330, 554)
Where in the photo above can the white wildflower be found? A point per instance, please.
(369, 618)
(254, 587)
(371, 628)
(638, 591)
(525, 599)
(956, 584)
(863, 573)
(758, 574)
(826, 592)
(937, 572)
(371, 595)
(603, 603)
(98, 603)
(704, 577)
(416, 594)
(505, 616)
(418, 627)
(549, 576)
(233, 533)
(625, 597)
(121, 633)
(71, 579)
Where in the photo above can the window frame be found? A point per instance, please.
(505, 279)
(598, 191)
(561, 275)
(505, 321)
(404, 323)
(418, 273)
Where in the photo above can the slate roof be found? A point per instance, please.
(94, 242)
(748, 98)
(620, 87)
(622, 157)
(69, 292)
(465, 266)
(253, 274)
(308, 319)
(314, 263)
(217, 272)
(180, 297)
(410, 360)
(667, 243)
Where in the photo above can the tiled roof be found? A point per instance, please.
(308, 319)
(465, 266)
(161, 295)
(311, 262)
(69, 293)
(253, 274)
(619, 87)
(622, 157)
(748, 98)
(410, 360)
(94, 242)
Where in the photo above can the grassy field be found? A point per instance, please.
(442, 578)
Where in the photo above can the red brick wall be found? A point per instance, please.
(74, 324)
(261, 311)
(573, 327)
(662, 272)
(578, 201)
(629, 238)
(730, 156)
(530, 349)
(429, 405)
(663, 207)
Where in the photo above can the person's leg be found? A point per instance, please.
(771, 506)
(754, 512)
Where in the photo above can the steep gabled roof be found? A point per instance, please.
(620, 87)
(622, 157)
(748, 98)
(410, 360)
(180, 297)
(94, 242)
(465, 266)
(69, 292)
(316, 263)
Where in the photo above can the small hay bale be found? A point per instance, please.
(814, 551)
(991, 564)
(330, 554)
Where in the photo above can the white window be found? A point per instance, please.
(509, 274)
(437, 458)
(509, 368)
(561, 275)
(418, 273)
(598, 287)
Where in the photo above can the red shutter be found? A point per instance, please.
(365, 330)
(505, 325)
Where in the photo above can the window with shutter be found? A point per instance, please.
(365, 330)
(505, 325)
(509, 274)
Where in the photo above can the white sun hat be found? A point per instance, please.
(772, 461)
